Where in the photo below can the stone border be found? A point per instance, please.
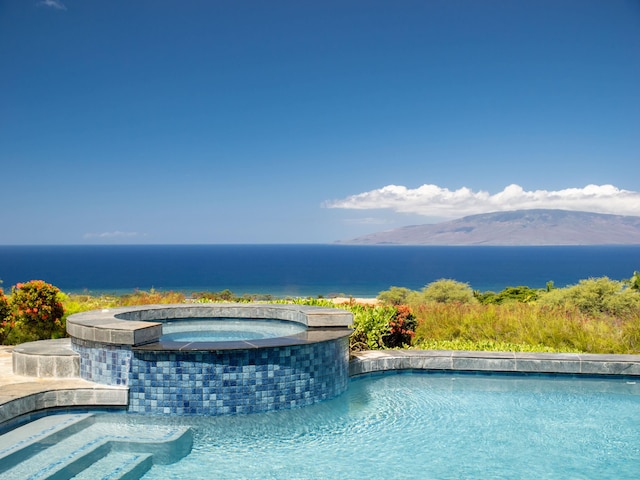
(27, 398)
(135, 326)
(46, 358)
(510, 362)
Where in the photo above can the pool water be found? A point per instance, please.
(427, 426)
(226, 329)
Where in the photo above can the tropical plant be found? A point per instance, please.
(401, 328)
(371, 324)
(397, 296)
(37, 313)
(5, 316)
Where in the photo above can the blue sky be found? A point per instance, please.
(306, 121)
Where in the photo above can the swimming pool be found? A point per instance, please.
(429, 426)
(409, 425)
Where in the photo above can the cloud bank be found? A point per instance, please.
(435, 201)
(57, 4)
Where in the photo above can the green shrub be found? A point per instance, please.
(510, 294)
(397, 296)
(228, 296)
(375, 327)
(76, 303)
(596, 296)
(448, 291)
(370, 326)
(313, 302)
(381, 326)
(37, 313)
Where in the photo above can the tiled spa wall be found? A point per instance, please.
(220, 382)
(107, 364)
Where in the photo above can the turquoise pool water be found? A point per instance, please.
(226, 329)
(426, 426)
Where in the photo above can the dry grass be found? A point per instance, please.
(525, 326)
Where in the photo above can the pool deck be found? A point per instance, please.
(48, 386)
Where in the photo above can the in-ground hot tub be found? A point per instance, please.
(198, 376)
(226, 329)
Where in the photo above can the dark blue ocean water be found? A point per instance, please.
(307, 270)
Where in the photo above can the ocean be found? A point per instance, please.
(307, 270)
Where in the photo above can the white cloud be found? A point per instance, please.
(435, 201)
(57, 4)
(116, 234)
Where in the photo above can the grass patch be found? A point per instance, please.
(523, 327)
(554, 322)
(487, 346)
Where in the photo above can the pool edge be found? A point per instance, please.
(23, 395)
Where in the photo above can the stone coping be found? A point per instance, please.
(46, 358)
(139, 325)
(513, 362)
(26, 398)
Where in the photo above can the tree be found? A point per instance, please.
(595, 296)
(510, 294)
(396, 296)
(448, 291)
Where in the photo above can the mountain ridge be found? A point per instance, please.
(515, 227)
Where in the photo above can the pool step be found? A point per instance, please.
(27, 440)
(118, 466)
(83, 447)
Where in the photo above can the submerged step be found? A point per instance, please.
(28, 440)
(62, 460)
(60, 448)
(118, 466)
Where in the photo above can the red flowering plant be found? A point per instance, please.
(5, 317)
(401, 327)
(36, 311)
(381, 326)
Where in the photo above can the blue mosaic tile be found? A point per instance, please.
(100, 363)
(219, 382)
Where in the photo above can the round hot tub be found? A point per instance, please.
(226, 329)
(213, 359)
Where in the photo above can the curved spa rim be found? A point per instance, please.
(122, 347)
